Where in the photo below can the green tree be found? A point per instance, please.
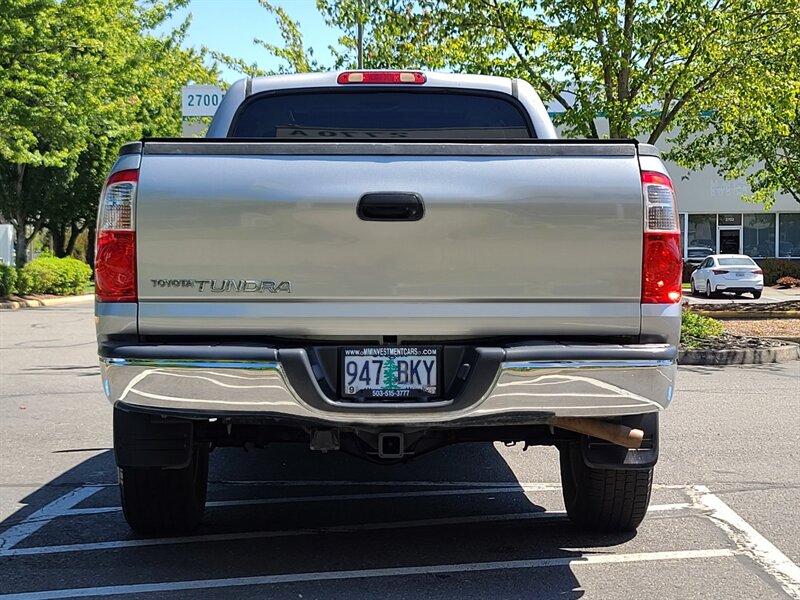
(44, 89)
(40, 60)
(755, 128)
(77, 79)
(150, 79)
(647, 67)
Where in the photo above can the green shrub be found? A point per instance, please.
(775, 268)
(24, 282)
(696, 327)
(59, 276)
(8, 280)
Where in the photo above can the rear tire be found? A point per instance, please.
(610, 500)
(757, 295)
(165, 501)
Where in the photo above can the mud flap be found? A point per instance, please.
(599, 454)
(150, 441)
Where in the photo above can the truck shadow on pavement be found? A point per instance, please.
(286, 511)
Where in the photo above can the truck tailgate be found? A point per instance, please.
(531, 238)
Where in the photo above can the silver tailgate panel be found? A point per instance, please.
(511, 244)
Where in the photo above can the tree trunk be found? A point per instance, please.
(57, 235)
(21, 244)
(20, 220)
(90, 246)
(74, 232)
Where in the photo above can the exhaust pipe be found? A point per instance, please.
(620, 435)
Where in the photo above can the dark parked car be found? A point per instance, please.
(696, 254)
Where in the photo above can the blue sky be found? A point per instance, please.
(229, 26)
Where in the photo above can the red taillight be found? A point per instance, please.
(115, 266)
(719, 271)
(758, 271)
(115, 253)
(126, 176)
(657, 178)
(662, 262)
(414, 77)
(663, 268)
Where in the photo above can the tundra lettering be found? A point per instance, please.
(226, 285)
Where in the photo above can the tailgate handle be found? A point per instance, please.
(390, 206)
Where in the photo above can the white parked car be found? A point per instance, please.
(735, 273)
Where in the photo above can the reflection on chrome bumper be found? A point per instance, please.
(522, 392)
(587, 389)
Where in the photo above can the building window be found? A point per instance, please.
(759, 235)
(702, 233)
(789, 232)
(682, 221)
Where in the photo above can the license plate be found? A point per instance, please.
(390, 372)
(740, 274)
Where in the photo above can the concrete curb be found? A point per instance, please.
(36, 303)
(740, 356)
(735, 314)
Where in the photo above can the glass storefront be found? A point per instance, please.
(789, 235)
(759, 235)
(702, 233)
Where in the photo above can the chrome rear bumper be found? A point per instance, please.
(526, 386)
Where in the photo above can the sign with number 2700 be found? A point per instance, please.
(200, 100)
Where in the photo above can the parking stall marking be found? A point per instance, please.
(748, 541)
(205, 584)
(246, 535)
(62, 508)
(38, 519)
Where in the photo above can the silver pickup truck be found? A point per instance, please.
(384, 263)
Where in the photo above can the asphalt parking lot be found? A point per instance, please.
(472, 521)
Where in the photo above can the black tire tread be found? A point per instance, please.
(604, 499)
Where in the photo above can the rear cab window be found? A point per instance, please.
(389, 115)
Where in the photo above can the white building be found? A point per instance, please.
(713, 215)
